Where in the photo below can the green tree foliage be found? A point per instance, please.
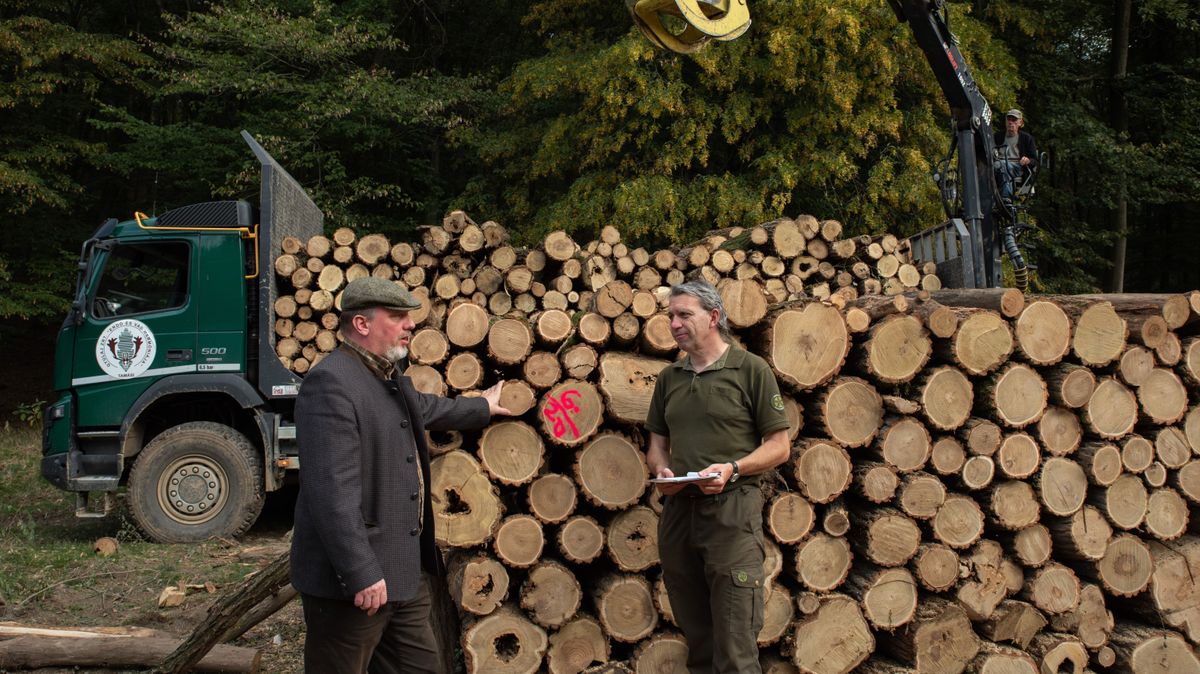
(315, 87)
(58, 67)
(824, 108)
(1065, 51)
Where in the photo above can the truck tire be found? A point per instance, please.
(196, 481)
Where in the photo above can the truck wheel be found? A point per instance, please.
(195, 481)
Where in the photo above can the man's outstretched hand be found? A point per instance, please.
(492, 396)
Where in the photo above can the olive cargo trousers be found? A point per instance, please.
(712, 558)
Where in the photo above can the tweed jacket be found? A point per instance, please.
(359, 514)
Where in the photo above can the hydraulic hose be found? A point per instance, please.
(1020, 269)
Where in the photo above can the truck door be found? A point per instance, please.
(138, 325)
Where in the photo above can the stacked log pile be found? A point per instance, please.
(622, 288)
(980, 481)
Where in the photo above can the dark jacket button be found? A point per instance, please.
(414, 496)
(404, 423)
(415, 531)
(410, 458)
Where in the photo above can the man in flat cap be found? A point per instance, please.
(1016, 153)
(364, 520)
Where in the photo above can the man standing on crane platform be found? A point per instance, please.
(1016, 154)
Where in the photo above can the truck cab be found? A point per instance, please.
(165, 372)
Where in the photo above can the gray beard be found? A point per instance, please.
(396, 353)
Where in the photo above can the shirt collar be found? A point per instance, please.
(728, 359)
(378, 365)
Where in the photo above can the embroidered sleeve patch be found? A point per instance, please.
(777, 402)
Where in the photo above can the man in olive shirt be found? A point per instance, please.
(716, 411)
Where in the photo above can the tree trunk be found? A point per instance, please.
(29, 652)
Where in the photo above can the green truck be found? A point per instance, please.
(165, 371)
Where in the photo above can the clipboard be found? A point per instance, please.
(683, 479)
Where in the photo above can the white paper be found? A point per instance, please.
(690, 477)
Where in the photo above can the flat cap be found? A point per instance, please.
(1014, 113)
(369, 292)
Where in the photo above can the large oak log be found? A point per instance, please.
(959, 522)
(888, 597)
(981, 344)
(519, 541)
(833, 640)
(823, 562)
(946, 397)
(504, 642)
(936, 567)
(627, 383)
(939, 639)
(552, 498)
(551, 595)
(581, 539)
(511, 452)
(1099, 332)
(1059, 653)
(632, 539)
(897, 349)
(466, 505)
(466, 325)
(806, 343)
(571, 412)
(1145, 650)
(663, 652)
(1126, 567)
(822, 469)
(1163, 396)
(1062, 486)
(1013, 621)
(885, 536)
(1043, 333)
(921, 494)
(1174, 595)
(478, 583)
(744, 300)
(1016, 396)
(789, 517)
(1059, 431)
(625, 607)
(576, 646)
(611, 471)
(851, 411)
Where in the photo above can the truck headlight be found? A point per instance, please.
(57, 412)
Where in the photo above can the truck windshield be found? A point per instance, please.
(142, 277)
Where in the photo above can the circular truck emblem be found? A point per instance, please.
(125, 349)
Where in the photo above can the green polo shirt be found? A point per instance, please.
(718, 415)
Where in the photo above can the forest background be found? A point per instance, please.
(557, 114)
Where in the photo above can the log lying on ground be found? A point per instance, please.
(31, 652)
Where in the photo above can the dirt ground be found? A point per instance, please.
(74, 587)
